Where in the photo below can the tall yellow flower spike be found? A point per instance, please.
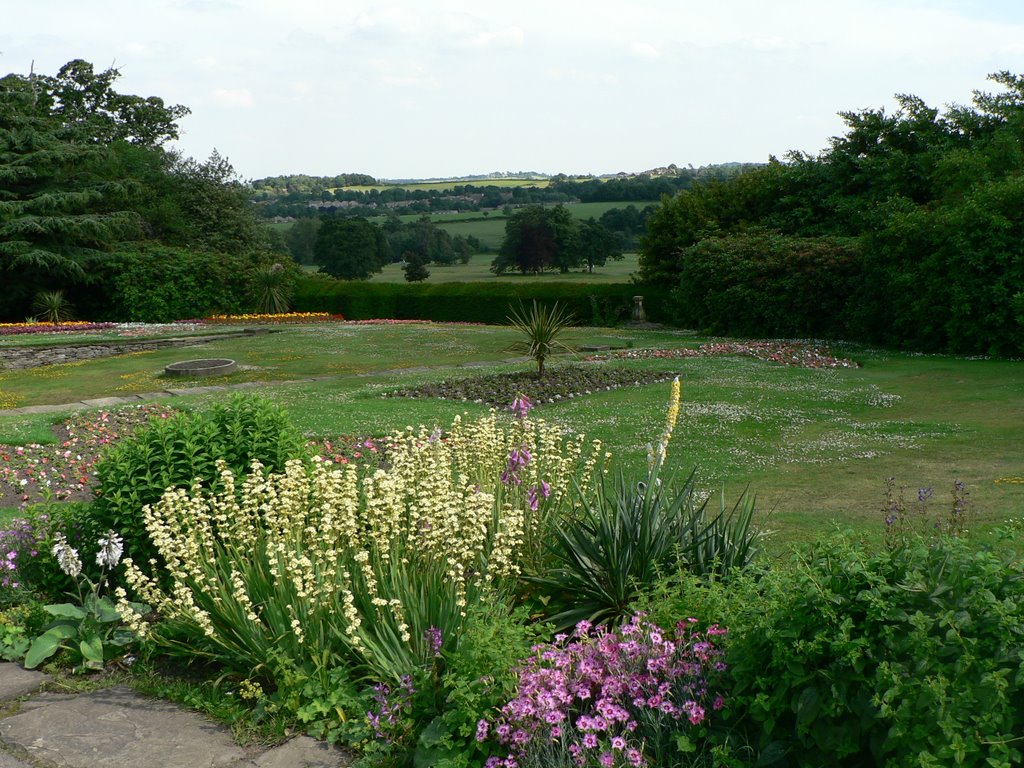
(671, 417)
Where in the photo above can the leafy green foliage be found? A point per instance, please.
(155, 283)
(608, 549)
(541, 327)
(933, 199)
(761, 283)
(909, 656)
(173, 452)
(92, 628)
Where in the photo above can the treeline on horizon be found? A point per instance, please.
(907, 231)
(299, 195)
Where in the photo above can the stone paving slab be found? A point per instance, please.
(105, 402)
(301, 752)
(15, 681)
(7, 761)
(114, 728)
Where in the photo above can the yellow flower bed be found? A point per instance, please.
(281, 317)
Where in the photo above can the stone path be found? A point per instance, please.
(118, 728)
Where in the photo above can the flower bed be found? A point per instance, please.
(63, 471)
(18, 329)
(791, 353)
(275, 318)
(558, 383)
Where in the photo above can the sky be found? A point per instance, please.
(446, 88)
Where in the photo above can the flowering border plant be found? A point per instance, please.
(94, 622)
(610, 697)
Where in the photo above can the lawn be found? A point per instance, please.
(479, 268)
(816, 446)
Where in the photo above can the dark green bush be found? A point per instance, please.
(157, 284)
(479, 302)
(173, 452)
(906, 657)
(764, 284)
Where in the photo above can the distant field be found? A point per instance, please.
(489, 226)
(490, 232)
(479, 268)
(445, 185)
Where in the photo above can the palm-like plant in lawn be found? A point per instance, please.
(541, 327)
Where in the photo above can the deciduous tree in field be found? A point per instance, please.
(350, 248)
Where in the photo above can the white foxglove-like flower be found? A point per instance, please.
(66, 556)
(111, 548)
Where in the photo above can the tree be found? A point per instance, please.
(350, 248)
(59, 207)
(537, 239)
(301, 239)
(88, 109)
(596, 244)
(415, 269)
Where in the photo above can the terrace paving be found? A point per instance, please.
(118, 727)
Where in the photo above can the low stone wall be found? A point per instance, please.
(15, 358)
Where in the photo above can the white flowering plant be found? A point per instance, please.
(323, 566)
(95, 625)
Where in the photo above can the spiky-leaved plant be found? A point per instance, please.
(52, 307)
(541, 327)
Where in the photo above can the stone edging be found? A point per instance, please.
(19, 358)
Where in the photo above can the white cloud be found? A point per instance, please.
(644, 50)
(233, 97)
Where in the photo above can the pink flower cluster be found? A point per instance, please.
(63, 471)
(348, 449)
(616, 697)
(794, 354)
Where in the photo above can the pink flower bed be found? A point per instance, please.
(796, 354)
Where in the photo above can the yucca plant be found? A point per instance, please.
(52, 307)
(272, 289)
(541, 326)
(628, 534)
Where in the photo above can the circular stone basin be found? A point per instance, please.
(217, 366)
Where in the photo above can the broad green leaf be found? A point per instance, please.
(44, 646)
(65, 610)
(92, 649)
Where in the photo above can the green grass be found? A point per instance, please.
(816, 446)
(479, 268)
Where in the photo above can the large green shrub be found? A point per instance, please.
(910, 656)
(175, 451)
(156, 284)
(761, 283)
(477, 302)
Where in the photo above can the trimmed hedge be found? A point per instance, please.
(474, 302)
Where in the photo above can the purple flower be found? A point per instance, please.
(433, 639)
(628, 688)
(482, 727)
(521, 406)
